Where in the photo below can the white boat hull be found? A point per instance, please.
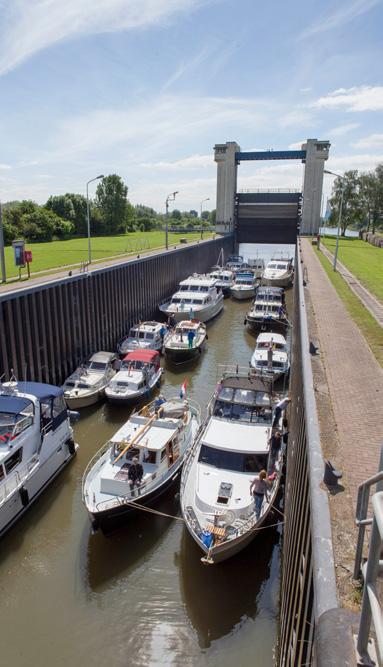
(242, 294)
(14, 508)
(77, 402)
(202, 314)
(278, 282)
(133, 397)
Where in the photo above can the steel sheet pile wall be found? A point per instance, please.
(308, 587)
(46, 331)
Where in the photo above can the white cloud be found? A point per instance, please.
(371, 141)
(360, 161)
(341, 130)
(343, 15)
(358, 98)
(191, 162)
(297, 145)
(5, 167)
(29, 26)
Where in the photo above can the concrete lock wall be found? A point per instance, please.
(47, 330)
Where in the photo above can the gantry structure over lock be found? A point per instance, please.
(269, 216)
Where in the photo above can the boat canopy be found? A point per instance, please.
(13, 405)
(147, 356)
(37, 389)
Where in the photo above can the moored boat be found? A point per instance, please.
(87, 384)
(244, 286)
(140, 462)
(232, 449)
(268, 310)
(36, 443)
(140, 373)
(197, 297)
(271, 356)
(234, 262)
(278, 273)
(224, 279)
(143, 336)
(185, 341)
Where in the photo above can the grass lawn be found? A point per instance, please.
(56, 254)
(364, 260)
(369, 327)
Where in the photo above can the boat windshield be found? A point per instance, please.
(243, 405)
(97, 366)
(235, 461)
(12, 424)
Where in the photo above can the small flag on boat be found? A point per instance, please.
(183, 388)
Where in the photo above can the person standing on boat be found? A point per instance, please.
(163, 331)
(258, 489)
(279, 408)
(275, 445)
(270, 355)
(135, 474)
(191, 336)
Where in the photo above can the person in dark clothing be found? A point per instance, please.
(135, 474)
(275, 445)
(191, 336)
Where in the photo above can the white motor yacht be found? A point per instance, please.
(197, 297)
(185, 341)
(140, 373)
(224, 279)
(232, 448)
(268, 310)
(36, 443)
(87, 384)
(257, 264)
(143, 336)
(157, 439)
(278, 273)
(244, 286)
(234, 262)
(271, 356)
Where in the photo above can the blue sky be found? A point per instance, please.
(145, 88)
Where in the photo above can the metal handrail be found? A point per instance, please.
(17, 478)
(371, 607)
(361, 519)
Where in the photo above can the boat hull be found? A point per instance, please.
(179, 356)
(278, 282)
(204, 315)
(14, 508)
(77, 402)
(111, 519)
(243, 294)
(265, 324)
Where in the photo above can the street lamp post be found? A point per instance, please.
(88, 215)
(207, 199)
(169, 198)
(331, 173)
(2, 257)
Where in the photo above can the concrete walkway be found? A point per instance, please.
(354, 377)
(373, 305)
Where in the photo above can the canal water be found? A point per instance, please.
(140, 597)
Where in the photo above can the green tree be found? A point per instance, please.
(352, 210)
(369, 199)
(176, 214)
(111, 200)
(40, 225)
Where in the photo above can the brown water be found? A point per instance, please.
(141, 597)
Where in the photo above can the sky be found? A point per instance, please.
(146, 88)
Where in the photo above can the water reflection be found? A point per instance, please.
(108, 558)
(220, 598)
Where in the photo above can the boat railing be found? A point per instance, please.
(16, 478)
(98, 455)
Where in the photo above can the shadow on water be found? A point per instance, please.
(220, 598)
(107, 558)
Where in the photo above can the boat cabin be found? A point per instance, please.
(277, 341)
(272, 295)
(245, 278)
(140, 360)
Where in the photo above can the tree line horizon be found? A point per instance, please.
(63, 217)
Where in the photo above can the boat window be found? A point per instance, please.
(132, 333)
(184, 288)
(13, 460)
(282, 266)
(222, 409)
(272, 266)
(204, 288)
(122, 384)
(246, 396)
(69, 385)
(163, 454)
(141, 334)
(59, 406)
(149, 336)
(83, 385)
(150, 456)
(262, 398)
(234, 461)
(176, 300)
(226, 393)
(97, 366)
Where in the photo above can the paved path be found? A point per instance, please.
(354, 377)
(373, 305)
(18, 285)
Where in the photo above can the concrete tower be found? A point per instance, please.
(316, 154)
(224, 155)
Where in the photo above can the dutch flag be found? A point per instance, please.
(183, 388)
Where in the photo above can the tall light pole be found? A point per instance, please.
(207, 199)
(2, 257)
(88, 215)
(169, 198)
(342, 179)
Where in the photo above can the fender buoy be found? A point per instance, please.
(71, 446)
(245, 321)
(24, 496)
